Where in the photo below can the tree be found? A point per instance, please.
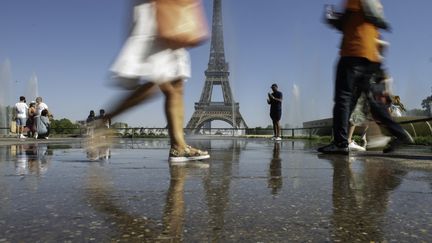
(426, 103)
(416, 112)
(64, 126)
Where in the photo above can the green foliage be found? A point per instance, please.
(426, 103)
(64, 126)
(322, 139)
(423, 140)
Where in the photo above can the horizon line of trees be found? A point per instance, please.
(65, 126)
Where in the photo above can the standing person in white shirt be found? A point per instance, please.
(40, 106)
(21, 116)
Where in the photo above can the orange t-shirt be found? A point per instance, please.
(359, 36)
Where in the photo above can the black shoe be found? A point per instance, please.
(393, 145)
(333, 149)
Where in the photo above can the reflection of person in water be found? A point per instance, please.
(102, 153)
(145, 229)
(32, 159)
(174, 212)
(21, 163)
(275, 174)
(360, 199)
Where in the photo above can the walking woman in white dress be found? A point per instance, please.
(145, 65)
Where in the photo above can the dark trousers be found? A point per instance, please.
(353, 77)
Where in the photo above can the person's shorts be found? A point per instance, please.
(276, 115)
(21, 121)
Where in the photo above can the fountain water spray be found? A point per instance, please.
(32, 88)
(294, 114)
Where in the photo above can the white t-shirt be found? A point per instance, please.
(21, 110)
(40, 107)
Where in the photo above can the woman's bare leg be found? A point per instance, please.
(364, 136)
(139, 95)
(174, 110)
(350, 133)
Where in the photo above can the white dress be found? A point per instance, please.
(144, 58)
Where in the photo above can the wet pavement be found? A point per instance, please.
(251, 190)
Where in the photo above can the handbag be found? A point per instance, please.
(181, 23)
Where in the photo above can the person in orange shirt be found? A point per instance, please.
(359, 60)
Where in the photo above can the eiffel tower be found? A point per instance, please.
(216, 75)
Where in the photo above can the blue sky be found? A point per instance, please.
(70, 45)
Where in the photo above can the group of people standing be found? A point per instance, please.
(33, 119)
(92, 118)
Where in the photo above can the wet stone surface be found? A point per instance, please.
(251, 190)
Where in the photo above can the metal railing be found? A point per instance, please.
(427, 122)
(423, 128)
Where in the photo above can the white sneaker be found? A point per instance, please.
(22, 136)
(353, 146)
(278, 139)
